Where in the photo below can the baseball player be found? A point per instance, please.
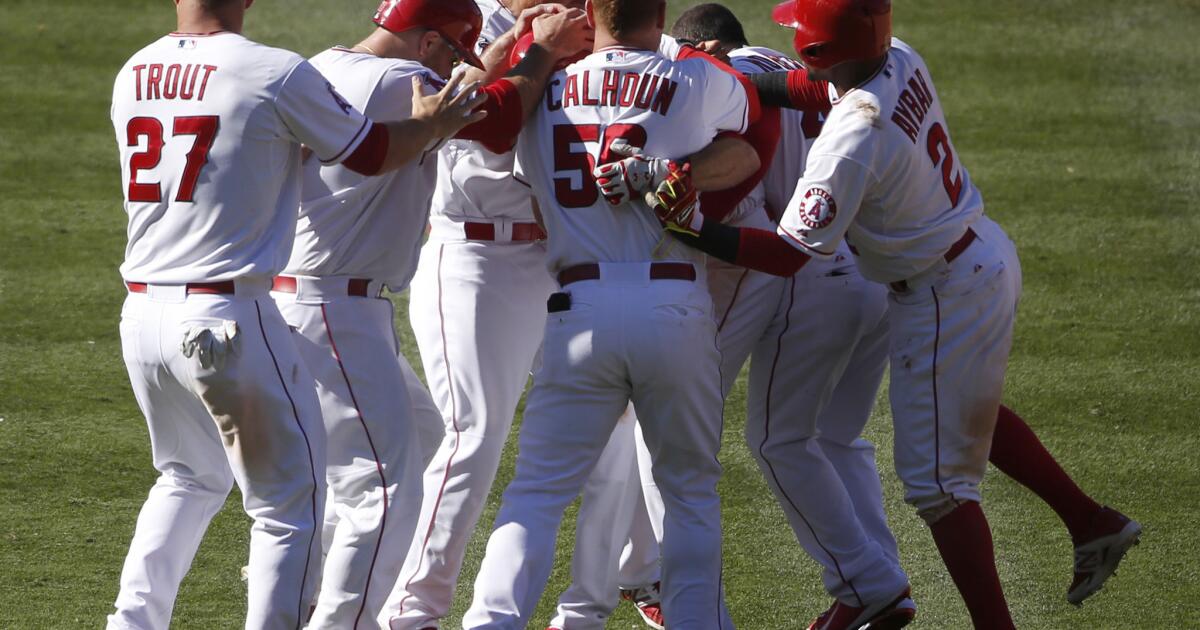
(210, 126)
(356, 235)
(819, 358)
(476, 308)
(612, 494)
(883, 175)
(627, 325)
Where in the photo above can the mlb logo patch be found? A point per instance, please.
(187, 44)
(617, 55)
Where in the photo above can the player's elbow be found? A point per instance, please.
(790, 266)
(726, 163)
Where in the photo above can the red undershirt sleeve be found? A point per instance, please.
(498, 132)
(768, 252)
(369, 156)
(805, 93)
(763, 135)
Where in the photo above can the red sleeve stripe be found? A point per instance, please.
(799, 244)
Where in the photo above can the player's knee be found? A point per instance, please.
(214, 484)
(795, 448)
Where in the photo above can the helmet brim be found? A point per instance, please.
(784, 14)
(465, 54)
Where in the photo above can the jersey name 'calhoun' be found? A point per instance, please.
(623, 89)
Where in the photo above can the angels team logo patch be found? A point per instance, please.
(337, 98)
(819, 209)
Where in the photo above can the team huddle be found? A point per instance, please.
(627, 213)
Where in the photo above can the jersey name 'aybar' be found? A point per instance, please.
(912, 106)
(617, 89)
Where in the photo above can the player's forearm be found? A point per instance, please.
(495, 60)
(751, 248)
(407, 141)
(723, 164)
(529, 77)
(389, 146)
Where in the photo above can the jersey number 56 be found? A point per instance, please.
(568, 160)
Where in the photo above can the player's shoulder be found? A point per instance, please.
(757, 59)
(854, 127)
(497, 20)
(271, 60)
(340, 60)
(858, 109)
(904, 48)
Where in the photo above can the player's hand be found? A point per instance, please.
(564, 33)
(449, 110)
(626, 179)
(525, 20)
(676, 202)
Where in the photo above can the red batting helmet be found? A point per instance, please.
(522, 46)
(458, 21)
(829, 32)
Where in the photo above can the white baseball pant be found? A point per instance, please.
(625, 338)
(812, 386)
(477, 310)
(951, 335)
(602, 529)
(829, 403)
(254, 420)
(373, 451)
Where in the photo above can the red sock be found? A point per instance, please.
(1018, 453)
(965, 542)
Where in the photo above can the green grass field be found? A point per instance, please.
(1077, 118)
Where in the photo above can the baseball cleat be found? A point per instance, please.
(895, 613)
(1113, 534)
(646, 600)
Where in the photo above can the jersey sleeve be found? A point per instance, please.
(315, 115)
(763, 135)
(392, 99)
(825, 204)
(730, 101)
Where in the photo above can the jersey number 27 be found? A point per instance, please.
(204, 128)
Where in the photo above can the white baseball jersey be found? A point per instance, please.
(474, 183)
(797, 131)
(357, 226)
(209, 129)
(669, 108)
(884, 175)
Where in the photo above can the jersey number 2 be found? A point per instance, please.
(567, 160)
(204, 128)
(939, 143)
